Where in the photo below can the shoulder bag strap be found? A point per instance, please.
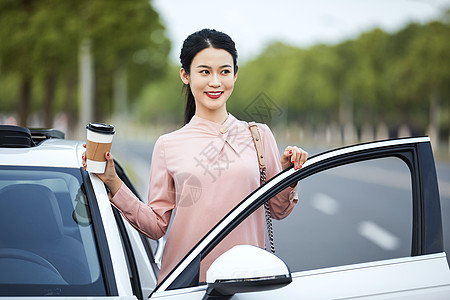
(262, 171)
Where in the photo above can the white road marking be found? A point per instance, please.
(379, 236)
(325, 204)
(376, 175)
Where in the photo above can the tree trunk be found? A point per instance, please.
(120, 90)
(24, 101)
(70, 106)
(434, 122)
(346, 118)
(87, 84)
(49, 99)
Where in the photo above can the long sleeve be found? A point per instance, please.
(152, 219)
(282, 204)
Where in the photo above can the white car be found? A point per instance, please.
(60, 238)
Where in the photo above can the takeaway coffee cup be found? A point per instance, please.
(99, 140)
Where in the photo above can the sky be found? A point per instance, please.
(254, 24)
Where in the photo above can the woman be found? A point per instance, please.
(201, 171)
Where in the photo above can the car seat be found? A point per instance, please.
(30, 220)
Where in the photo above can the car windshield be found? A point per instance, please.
(47, 243)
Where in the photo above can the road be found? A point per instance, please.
(344, 216)
(352, 214)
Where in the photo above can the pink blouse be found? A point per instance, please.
(198, 174)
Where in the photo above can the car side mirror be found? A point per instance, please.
(245, 269)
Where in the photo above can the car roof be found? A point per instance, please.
(49, 153)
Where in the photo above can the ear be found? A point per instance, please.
(235, 77)
(184, 76)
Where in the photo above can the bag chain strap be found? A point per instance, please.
(267, 212)
(262, 171)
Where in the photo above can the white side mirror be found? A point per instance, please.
(243, 269)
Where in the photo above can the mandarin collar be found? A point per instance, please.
(233, 132)
(212, 127)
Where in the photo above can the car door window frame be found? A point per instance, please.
(417, 154)
(99, 232)
(129, 255)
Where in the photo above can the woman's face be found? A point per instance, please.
(211, 80)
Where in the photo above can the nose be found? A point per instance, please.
(215, 81)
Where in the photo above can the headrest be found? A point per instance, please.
(29, 213)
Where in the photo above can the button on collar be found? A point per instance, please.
(223, 129)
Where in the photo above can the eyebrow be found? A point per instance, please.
(208, 67)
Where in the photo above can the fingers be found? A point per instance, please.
(297, 156)
(83, 158)
(303, 156)
(293, 156)
(295, 159)
(109, 163)
(108, 156)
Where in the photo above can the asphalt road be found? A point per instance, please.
(344, 216)
(352, 214)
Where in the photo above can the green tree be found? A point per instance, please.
(15, 59)
(366, 79)
(41, 41)
(421, 74)
(54, 35)
(128, 35)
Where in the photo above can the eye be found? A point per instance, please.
(204, 72)
(226, 72)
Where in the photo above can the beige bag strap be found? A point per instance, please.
(258, 144)
(262, 171)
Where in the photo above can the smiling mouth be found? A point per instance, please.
(214, 95)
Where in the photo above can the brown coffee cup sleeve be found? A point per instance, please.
(96, 151)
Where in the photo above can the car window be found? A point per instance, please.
(350, 214)
(47, 243)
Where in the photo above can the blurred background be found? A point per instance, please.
(325, 73)
(321, 73)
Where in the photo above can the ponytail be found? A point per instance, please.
(189, 111)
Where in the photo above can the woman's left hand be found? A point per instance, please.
(293, 155)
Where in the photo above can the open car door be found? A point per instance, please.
(419, 271)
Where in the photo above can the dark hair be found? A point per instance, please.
(196, 42)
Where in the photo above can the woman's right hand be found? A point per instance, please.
(110, 178)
